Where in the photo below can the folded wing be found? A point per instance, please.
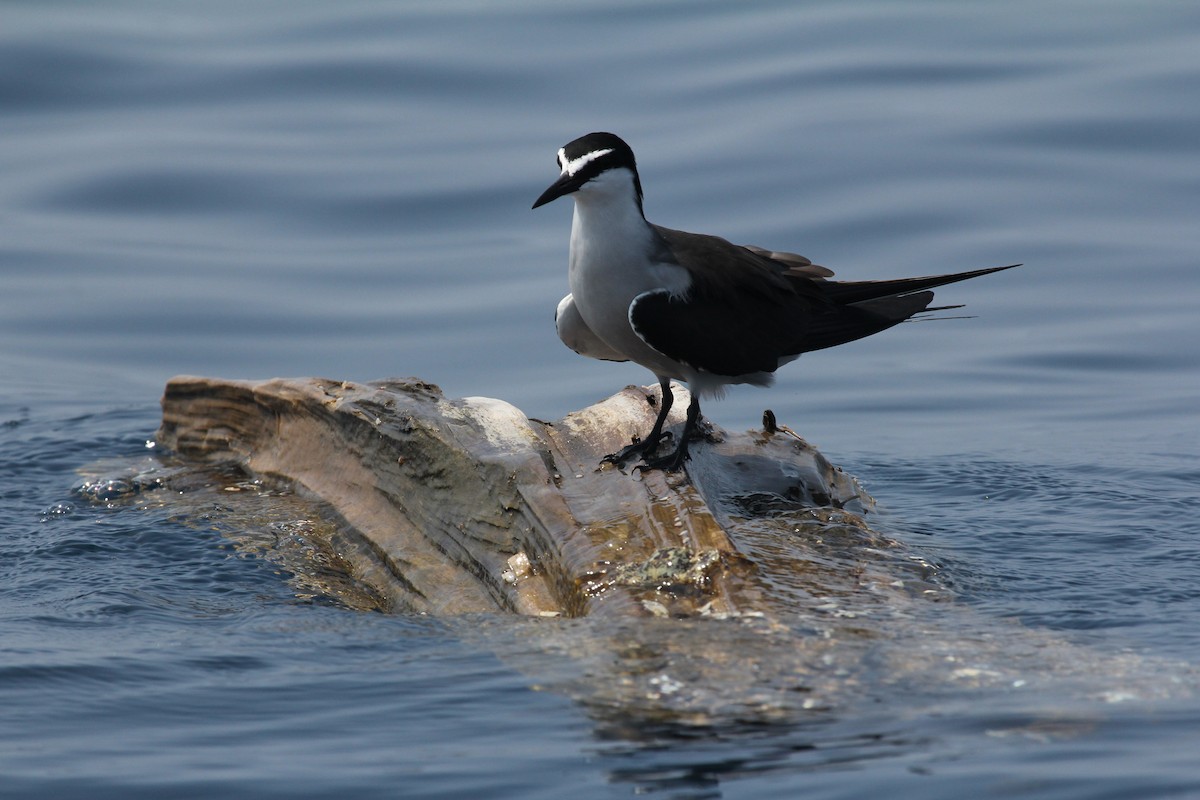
(750, 310)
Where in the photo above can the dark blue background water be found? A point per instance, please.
(282, 188)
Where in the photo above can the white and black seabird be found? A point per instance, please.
(697, 308)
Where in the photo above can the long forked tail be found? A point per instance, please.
(867, 307)
(847, 292)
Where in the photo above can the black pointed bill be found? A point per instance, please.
(575, 171)
(566, 184)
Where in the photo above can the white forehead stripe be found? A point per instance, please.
(574, 165)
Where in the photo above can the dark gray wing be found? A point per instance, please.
(796, 264)
(719, 267)
(748, 309)
(726, 335)
(741, 313)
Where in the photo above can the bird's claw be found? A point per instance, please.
(672, 462)
(638, 448)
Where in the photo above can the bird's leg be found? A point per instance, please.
(647, 445)
(674, 461)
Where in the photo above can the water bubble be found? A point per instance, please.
(58, 510)
(102, 490)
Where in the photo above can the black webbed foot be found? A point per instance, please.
(674, 461)
(654, 437)
(640, 448)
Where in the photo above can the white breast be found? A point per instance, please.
(610, 265)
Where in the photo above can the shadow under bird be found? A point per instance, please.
(696, 308)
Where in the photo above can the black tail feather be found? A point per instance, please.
(862, 319)
(847, 292)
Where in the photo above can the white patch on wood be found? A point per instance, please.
(503, 425)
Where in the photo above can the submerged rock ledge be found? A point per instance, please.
(467, 505)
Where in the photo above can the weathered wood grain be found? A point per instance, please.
(466, 505)
(748, 589)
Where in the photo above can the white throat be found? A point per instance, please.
(608, 231)
(614, 258)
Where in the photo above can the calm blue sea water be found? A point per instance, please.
(248, 190)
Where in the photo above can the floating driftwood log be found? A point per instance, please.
(467, 505)
(750, 588)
